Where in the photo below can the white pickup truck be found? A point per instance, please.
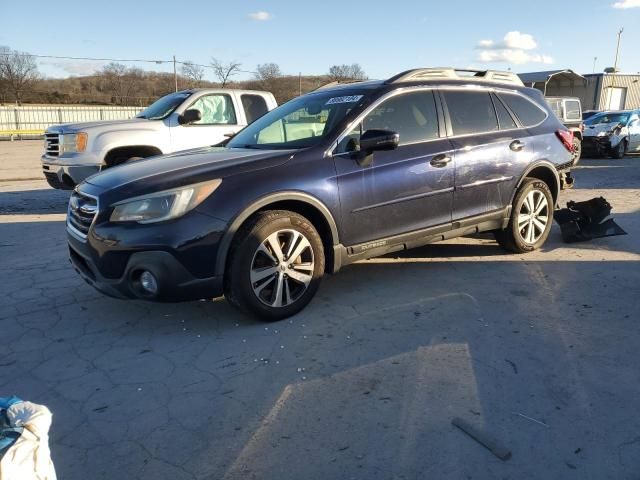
(178, 121)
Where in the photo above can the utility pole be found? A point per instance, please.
(595, 59)
(175, 73)
(615, 65)
(299, 83)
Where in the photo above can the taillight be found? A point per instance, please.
(566, 137)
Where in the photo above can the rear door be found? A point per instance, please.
(490, 148)
(403, 190)
(219, 119)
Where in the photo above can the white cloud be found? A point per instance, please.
(515, 48)
(260, 16)
(627, 4)
(513, 56)
(512, 40)
(78, 68)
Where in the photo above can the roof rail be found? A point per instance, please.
(337, 83)
(467, 75)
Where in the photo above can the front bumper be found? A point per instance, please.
(175, 283)
(181, 255)
(596, 145)
(66, 177)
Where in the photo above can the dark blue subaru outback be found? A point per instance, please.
(341, 174)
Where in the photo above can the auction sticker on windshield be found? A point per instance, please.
(346, 99)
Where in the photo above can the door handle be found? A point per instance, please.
(517, 146)
(440, 161)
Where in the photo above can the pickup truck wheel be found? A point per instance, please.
(577, 151)
(620, 151)
(275, 266)
(531, 218)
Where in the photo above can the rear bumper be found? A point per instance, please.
(66, 177)
(175, 282)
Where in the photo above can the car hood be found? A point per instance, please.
(594, 130)
(183, 168)
(106, 124)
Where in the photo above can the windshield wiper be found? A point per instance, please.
(141, 116)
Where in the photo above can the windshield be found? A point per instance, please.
(301, 123)
(604, 118)
(163, 107)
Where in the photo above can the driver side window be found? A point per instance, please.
(215, 109)
(412, 115)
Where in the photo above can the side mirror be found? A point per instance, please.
(378, 140)
(190, 116)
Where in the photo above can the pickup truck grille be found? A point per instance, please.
(52, 144)
(82, 211)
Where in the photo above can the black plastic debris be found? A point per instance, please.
(583, 221)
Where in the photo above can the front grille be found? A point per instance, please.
(52, 144)
(82, 211)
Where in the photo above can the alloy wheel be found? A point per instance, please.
(533, 216)
(282, 268)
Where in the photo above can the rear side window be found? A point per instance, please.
(572, 110)
(526, 111)
(412, 115)
(470, 112)
(504, 117)
(254, 106)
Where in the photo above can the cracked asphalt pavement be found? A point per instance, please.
(539, 351)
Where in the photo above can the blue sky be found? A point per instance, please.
(384, 37)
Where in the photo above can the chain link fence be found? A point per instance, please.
(31, 121)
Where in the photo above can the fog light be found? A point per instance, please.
(149, 282)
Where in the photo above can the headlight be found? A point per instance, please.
(161, 206)
(74, 142)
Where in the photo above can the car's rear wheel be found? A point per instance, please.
(620, 151)
(577, 151)
(276, 265)
(531, 218)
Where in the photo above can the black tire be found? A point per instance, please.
(238, 286)
(577, 151)
(620, 151)
(512, 238)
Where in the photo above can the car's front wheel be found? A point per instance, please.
(620, 151)
(531, 218)
(275, 266)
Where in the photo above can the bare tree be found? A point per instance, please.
(342, 73)
(224, 71)
(267, 71)
(193, 73)
(18, 72)
(113, 79)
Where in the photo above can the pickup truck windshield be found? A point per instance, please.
(604, 118)
(300, 123)
(163, 107)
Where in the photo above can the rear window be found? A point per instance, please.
(470, 112)
(254, 107)
(527, 112)
(572, 110)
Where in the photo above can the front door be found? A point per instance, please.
(219, 118)
(402, 190)
(634, 133)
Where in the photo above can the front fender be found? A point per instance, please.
(106, 141)
(236, 223)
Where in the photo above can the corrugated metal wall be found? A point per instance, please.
(592, 92)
